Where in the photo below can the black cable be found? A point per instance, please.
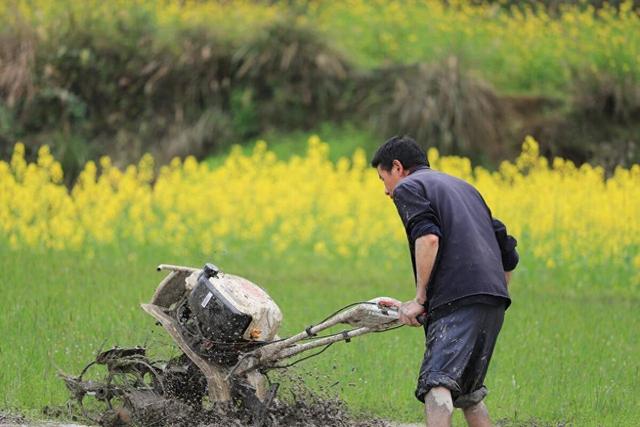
(390, 329)
(345, 307)
(304, 358)
(314, 337)
(331, 335)
(324, 336)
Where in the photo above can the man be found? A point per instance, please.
(462, 261)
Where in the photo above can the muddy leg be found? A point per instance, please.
(477, 415)
(438, 407)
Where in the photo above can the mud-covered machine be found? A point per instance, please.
(227, 327)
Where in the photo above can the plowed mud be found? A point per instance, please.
(132, 390)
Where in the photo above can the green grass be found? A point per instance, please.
(516, 54)
(563, 356)
(344, 139)
(531, 55)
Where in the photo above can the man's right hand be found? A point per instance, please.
(409, 311)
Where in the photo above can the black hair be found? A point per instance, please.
(402, 148)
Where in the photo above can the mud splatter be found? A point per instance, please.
(137, 391)
(10, 418)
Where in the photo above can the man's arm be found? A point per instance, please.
(425, 254)
(507, 276)
(423, 229)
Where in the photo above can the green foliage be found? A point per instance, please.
(296, 77)
(526, 50)
(246, 120)
(557, 5)
(344, 140)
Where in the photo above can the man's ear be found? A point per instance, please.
(396, 164)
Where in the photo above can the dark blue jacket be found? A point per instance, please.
(474, 248)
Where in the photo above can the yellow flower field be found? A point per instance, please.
(560, 213)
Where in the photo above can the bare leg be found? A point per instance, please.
(477, 415)
(438, 407)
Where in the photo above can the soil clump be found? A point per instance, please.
(140, 392)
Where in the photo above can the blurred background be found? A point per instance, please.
(173, 78)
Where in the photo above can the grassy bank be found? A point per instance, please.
(520, 49)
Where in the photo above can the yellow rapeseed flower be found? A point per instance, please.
(562, 214)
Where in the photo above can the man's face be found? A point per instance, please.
(392, 177)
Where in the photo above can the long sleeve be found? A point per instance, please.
(416, 212)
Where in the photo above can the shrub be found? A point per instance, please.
(599, 96)
(600, 124)
(294, 77)
(606, 111)
(18, 44)
(121, 90)
(17, 57)
(440, 105)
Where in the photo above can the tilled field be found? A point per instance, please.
(123, 387)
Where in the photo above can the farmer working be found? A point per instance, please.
(462, 261)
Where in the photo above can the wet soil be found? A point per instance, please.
(125, 393)
(305, 410)
(7, 418)
(301, 412)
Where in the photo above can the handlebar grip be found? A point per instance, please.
(422, 319)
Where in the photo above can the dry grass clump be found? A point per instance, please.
(439, 104)
(122, 94)
(599, 124)
(603, 97)
(18, 43)
(295, 77)
(606, 114)
(17, 57)
(213, 129)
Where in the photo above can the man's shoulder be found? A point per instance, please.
(407, 183)
(411, 185)
(429, 177)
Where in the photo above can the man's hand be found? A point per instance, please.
(409, 311)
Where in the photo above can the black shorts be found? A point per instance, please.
(459, 348)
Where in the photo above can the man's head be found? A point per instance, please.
(395, 159)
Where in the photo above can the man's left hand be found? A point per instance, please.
(409, 311)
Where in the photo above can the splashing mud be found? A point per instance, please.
(136, 390)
